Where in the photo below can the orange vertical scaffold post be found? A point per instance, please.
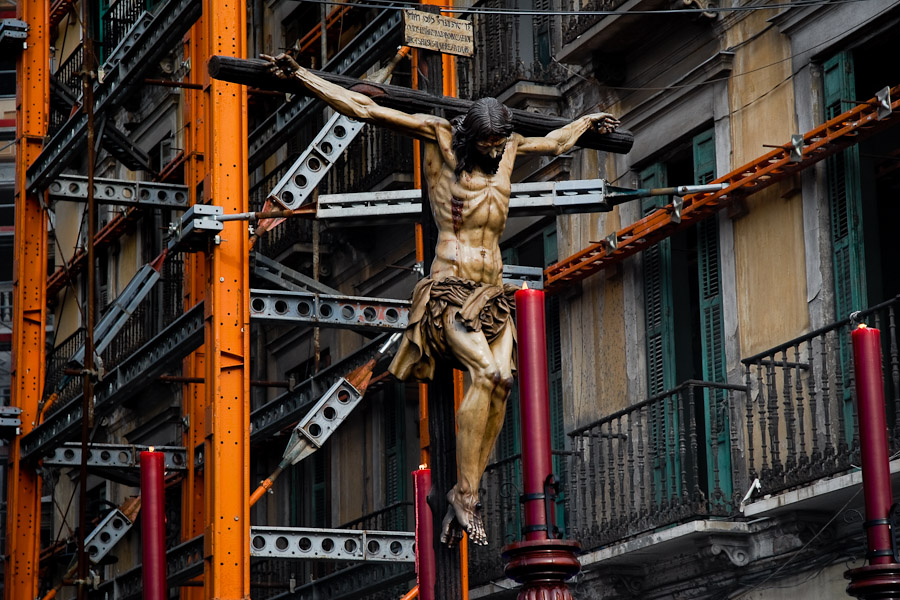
(226, 466)
(23, 521)
(193, 516)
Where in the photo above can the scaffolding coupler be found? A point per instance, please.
(197, 228)
(13, 34)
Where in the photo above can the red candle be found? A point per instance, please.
(153, 526)
(425, 568)
(534, 403)
(873, 442)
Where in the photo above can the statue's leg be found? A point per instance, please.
(502, 349)
(473, 423)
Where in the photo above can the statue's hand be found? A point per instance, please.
(282, 66)
(604, 122)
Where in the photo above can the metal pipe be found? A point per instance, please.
(87, 410)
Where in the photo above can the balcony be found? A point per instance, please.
(691, 453)
(510, 50)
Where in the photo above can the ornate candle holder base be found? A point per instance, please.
(874, 582)
(542, 567)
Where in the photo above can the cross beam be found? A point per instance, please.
(255, 72)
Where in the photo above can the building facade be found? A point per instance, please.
(701, 380)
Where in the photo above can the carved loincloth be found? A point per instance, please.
(485, 308)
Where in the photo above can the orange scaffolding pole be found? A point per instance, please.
(833, 136)
(194, 399)
(23, 520)
(227, 392)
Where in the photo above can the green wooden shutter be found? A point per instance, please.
(660, 347)
(395, 471)
(845, 199)
(712, 337)
(658, 302)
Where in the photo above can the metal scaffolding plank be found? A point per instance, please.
(120, 192)
(345, 312)
(285, 411)
(285, 277)
(174, 343)
(332, 544)
(353, 60)
(537, 198)
(167, 28)
(831, 137)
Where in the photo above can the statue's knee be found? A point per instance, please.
(508, 382)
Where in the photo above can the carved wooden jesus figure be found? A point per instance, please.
(461, 313)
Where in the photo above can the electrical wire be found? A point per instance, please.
(797, 553)
(401, 5)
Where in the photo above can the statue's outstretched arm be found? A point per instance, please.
(563, 139)
(356, 105)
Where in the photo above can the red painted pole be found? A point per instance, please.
(534, 403)
(873, 443)
(153, 526)
(425, 567)
(541, 563)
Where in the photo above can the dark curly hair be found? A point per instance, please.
(487, 117)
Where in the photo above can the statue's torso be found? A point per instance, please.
(470, 212)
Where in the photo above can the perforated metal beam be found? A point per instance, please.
(107, 534)
(174, 343)
(167, 28)
(344, 312)
(332, 544)
(382, 33)
(114, 456)
(286, 410)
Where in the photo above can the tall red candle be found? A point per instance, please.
(873, 442)
(534, 403)
(425, 568)
(153, 526)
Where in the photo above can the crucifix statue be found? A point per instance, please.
(461, 313)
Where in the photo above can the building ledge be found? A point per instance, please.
(656, 547)
(824, 494)
(609, 30)
(522, 91)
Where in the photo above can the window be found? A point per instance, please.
(683, 317)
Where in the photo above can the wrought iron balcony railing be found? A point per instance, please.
(509, 48)
(800, 414)
(576, 25)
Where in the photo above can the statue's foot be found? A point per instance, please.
(451, 532)
(466, 511)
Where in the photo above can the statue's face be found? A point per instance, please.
(492, 147)
(489, 153)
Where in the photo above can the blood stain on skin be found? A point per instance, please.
(456, 205)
